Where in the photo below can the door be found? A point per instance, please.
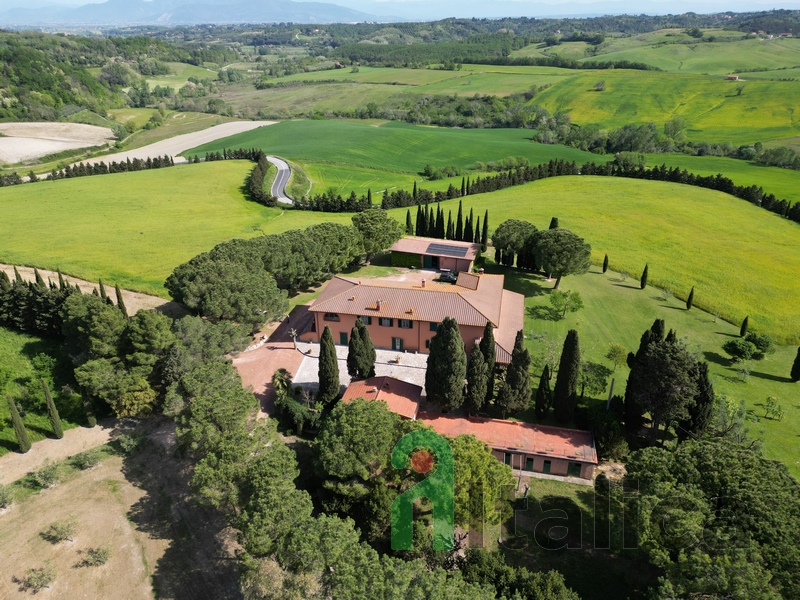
(529, 464)
(574, 469)
(343, 338)
(397, 344)
(546, 467)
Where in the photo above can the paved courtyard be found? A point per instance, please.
(411, 367)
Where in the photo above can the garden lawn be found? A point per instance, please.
(16, 351)
(742, 259)
(394, 146)
(617, 311)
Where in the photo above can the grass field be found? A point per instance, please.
(714, 112)
(175, 123)
(138, 116)
(179, 76)
(107, 227)
(16, 352)
(674, 51)
(784, 183)
(394, 146)
(742, 259)
(602, 322)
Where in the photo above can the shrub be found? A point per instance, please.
(740, 350)
(60, 531)
(128, 443)
(47, 476)
(762, 342)
(5, 496)
(86, 460)
(95, 557)
(36, 580)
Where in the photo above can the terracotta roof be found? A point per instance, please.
(422, 245)
(400, 300)
(572, 444)
(512, 315)
(468, 280)
(400, 396)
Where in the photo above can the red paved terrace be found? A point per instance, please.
(400, 396)
(524, 446)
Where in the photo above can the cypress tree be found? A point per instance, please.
(485, 231)
(795, 375)
(447, 367)
(701, 411)
(745, 325)
(605, 263)
(409, 226)
(460, 223)
(441, 225)
(19, 428)
(553, 223)
(657, 331)
(467, 186)
(643, 280)
(17, 276)
(367, 356)
(37, 278)
(415, 193)
(103, 294)
(353, 352)
(544, 397)
(489, 355)
(463, 187)
(120, 301)
(516, 393)
(52, 411)
(567, 379)
(369, 197)
(450, 231)
(477, 380)
(328, 369)
(418, 228)
(470, 231)
(61, 284)
(430, 230)
(690, 299)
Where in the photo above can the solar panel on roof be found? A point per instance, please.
(447, 250)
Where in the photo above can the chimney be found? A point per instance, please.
(378, 305)
(480, 271)
(423, 283)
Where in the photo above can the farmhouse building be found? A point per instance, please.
(524, 446)
(404, 315)
(431, 253)
(401, 397)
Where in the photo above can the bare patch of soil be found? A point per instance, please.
(29, 141)
(162, 543)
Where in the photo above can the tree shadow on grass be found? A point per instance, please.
(198, 562)
(733, 335)
(543, 313)
(770, 377)
(623, 285)
(717, 358)
(522, 282)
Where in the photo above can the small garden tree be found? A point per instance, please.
(23, 441)
(617, 354)
(740, 350)
(564, 302)
(744, 327)
(447, 367)
(52, 411)
(328, 368)
(643, 280)
(690, 299)
(561, 253)
(605, 263)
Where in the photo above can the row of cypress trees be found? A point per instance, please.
(430, 222)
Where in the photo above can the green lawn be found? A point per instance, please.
(714, 112)
(393, 146)
(179, 75)
(784, 183)
(742, 259)
(138, 116)
(16, 351)
(617, 311)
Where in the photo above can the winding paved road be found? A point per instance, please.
(281, 179)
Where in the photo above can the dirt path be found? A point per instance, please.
(15, 466)
(180, 143)
(134, 301)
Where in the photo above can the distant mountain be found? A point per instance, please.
(186, 12)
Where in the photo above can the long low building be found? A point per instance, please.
(403, 315)
(524, 446)
(432, 253)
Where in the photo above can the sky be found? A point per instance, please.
(437, 9)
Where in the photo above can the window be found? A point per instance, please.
(529, 464)
(331, 317)
(405, 323)
(434, 326)
(508, 458)
(397, 344)
(574, 469)
(366, 320)
(427, 344)
(384, 322)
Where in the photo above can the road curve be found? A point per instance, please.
(181, 143)
(278, 189)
